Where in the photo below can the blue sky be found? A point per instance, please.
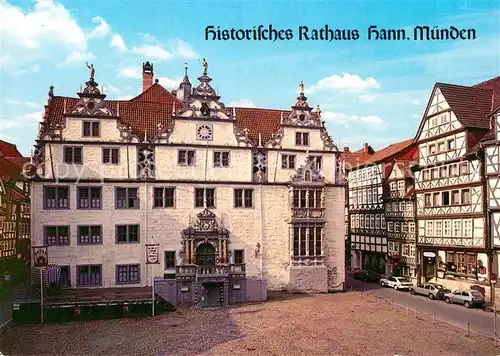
(369, 91)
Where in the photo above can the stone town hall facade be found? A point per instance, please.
(237, 199)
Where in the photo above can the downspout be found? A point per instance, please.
(261, 237)
(128, 163)
(146, 223)
(418, 253)
(51, 161)
(487, 219)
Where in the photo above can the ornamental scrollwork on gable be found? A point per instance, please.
(242, 137)
(206, 223)
(92, 107)
(164, 132)
(307, 174)
(304, 118)
(126, 134)
(276, 138)
(328, 144)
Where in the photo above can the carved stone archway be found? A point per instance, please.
(206, 231)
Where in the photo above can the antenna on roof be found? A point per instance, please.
(81, 88)
(64, 106)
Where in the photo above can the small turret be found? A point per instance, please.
(185, 87)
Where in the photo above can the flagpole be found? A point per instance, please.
(41, 295)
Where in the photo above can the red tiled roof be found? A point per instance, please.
(386, 152)
(11, 168)
(471, 105)
(492, 84)
(8, 150)
(154, 106)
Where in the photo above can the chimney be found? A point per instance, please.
(346, 149)
(147, 76)
(365, 148)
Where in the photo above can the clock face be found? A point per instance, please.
(204, 132)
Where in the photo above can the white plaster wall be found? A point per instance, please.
(74, 129)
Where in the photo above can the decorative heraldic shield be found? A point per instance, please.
(40, 258)
(152, 254)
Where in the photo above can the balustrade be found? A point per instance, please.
(307, 213)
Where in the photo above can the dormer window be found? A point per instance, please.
(91, 129)
(302, 139)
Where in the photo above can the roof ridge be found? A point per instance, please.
(487, 81)
(463, 86)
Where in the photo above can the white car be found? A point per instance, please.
(398, 283)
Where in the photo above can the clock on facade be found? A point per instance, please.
(204, 132)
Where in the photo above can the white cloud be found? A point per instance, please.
(102, 29)
(77, 56)
(26, 34)
(148, 38)
(344, 119)
(22, 103)
(130, 72)
(117, 42)
(152, 52)
(112, 89)
(242, 103)
(168, 83)
(366, 98)
(22, 121)
(185, 50)
(416, 116)
(345, 82)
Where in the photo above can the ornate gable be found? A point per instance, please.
(204, 102)
(302, 114)
(307, 174)
(91, 102)
(206, 223)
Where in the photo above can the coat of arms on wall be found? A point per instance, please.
(40, 258)
(152, 254)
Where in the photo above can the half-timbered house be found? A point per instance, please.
(400, 218)
(14, 210)
(233, 198)
(451, 207)
(367, 176)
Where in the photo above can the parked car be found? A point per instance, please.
(468, 297)
(367, 276)
(431, 290)
(398, 283)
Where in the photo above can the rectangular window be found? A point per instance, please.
(90, 275)
(300, 198)
(395, 206)
(318, 162)
(442, 146)
(443, 172)
(465, 196)
(164, 197)
(455, 197)
(396, 226)
(467, 232)
(73, 155)
(307, 238)
(56, 197)
(243, 198)
(239, 256)
(436, 201)
(453, 170)
(390, 226)
(128, 274)
(429, 229)
(401, 185)
(445, 198)
(411, 227)
(428, 200)
(377, 222)
(56, 235)
(405, 250)
(425, 174)
(412, 250)
(372, 221)
(382, 222)
(89, 198)
(447, 228)
(402, 205)
(457, 228)
(65, 277)
(302, 139)
(170, 260)
(202, 194)
(89, 235)
(464, 168)
(451, 145)
(127, 234)
(434, 173)
(393, 186)
(221, 159)
(388, 207)
(110, 155)
(432, 149)
(186, 157)
(127, 198)
(91, 129)
(438, 229)
(288, 161)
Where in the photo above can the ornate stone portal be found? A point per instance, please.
(205, 276)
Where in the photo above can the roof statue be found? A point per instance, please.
(301, 88)
(205, 66)
(92, 71)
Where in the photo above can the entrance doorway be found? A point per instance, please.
(205, 255)
(429, 265)
(213, 294)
